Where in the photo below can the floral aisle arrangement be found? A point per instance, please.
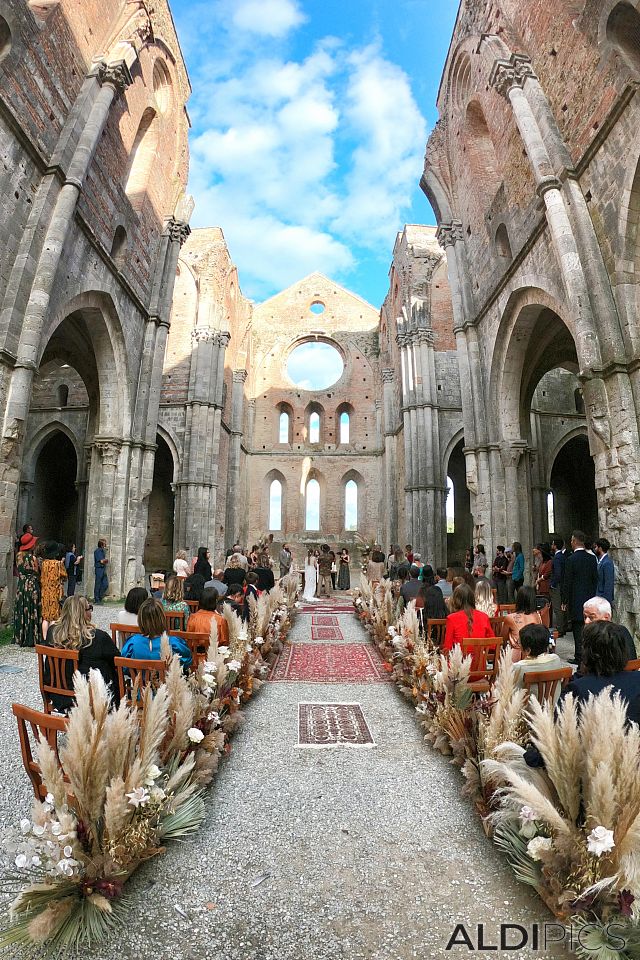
(126, 783)
(570, 826)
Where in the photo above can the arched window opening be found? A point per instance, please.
(503, 246)
(275, 505)
(551, 513)
(460, 83)
(312, 507)
(5, 38)
(450, 507)
(351, 505)
(481, 155)
(143, 154)
(623, 30)
(345, 421)
(63, 395)
(119, 244)
(578, 400)
(161, 86)
(283, 432)
(314, 427)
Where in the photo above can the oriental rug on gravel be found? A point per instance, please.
(324, 621)
(325, 633)
(333, 725)
(330, 663)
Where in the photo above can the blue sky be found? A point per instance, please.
(310, 119)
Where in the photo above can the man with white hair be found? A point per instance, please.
(600, 609)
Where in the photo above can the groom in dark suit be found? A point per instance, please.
(579, 585)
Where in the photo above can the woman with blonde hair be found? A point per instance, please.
(96, 650)
(484, 598)
(180, 565)
(173, 598)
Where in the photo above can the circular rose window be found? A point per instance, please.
(314, 365)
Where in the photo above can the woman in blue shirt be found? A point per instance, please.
(518, 566)
(146, 644)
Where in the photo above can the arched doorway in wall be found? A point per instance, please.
(459, 518)
(573, 489)
(53, 497)
(158, 548)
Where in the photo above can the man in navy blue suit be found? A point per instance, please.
(579, 585)
(606, 570)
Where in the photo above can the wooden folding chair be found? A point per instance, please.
(61, 666)
(546, 683)
(174, 620)
(504, 609)
(436, 630)
(41, 725)
(632, 665)
(194, 605)
(134, 675)
(198, 643)
(497, 625)
(485, 653)
(121, 632)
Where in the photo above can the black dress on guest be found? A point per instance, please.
(98, 655)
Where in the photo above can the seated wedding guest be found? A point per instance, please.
(193, 587)
(465, 621)
(252, 585)
(484, 598)
(430, 600)
(604, 657)
(217, 583)
(200, 622)
(525, 613)
(235, 571)
(534, 640)
(600, 609)
(145, 645)
(396, 560)
(235, 599)
(173, 600)
(134, 599)
(180, 565)
(411, 587)
(442, 582)
(264, 573)
(96, 649)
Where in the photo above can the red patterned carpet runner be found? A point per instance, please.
(324, 621)
(332, 725)
(330, 663)
(325, 633)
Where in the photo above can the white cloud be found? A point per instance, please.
(273, 18)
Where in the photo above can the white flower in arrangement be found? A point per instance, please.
(537, 847)
(528, 828)
(21, 861)
(35, 860)
(50, 799)
(66, 866)
(600, 841)
(158, 794)
(209, 666)
(68, 851)
(527, 815)
(431, 669)
(152, 774)
(138, 797)
(209, 679)
(195, 735)
(234, 665)
(392, 631)
(38, 829)
(258, 641)
(213, 717)
(223, 651)
(25, 827)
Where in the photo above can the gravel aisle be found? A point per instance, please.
(368, 853)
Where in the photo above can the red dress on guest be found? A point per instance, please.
(458, 628)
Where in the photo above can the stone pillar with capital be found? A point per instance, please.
(409, 435)
(107, 508)
(392, 480)
(234, 506)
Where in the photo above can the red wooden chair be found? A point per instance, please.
(194, 606)
(121, 632)
(133, 675)
(485, 653)
(41, 725)
(632, 665)
(198, 643)
(174, 620)
(61, 665)
(504, 609)
(546, 683)
(436, 630)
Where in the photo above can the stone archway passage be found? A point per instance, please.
(573, 485)
(158, 548)
(53, 504)
(459, 540)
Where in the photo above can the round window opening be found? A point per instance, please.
(317, 307)
(314, 365)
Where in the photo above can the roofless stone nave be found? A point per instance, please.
(505, 356)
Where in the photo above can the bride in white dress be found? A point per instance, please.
(310, 577)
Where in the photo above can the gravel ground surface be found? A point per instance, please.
(336, 853)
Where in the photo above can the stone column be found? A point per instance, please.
(108, 504)
(234, 506)
(391, 480)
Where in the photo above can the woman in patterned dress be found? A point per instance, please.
(52, 574)
(26, 613)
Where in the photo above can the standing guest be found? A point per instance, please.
(534, 640)
(597, 608)
(484, 598)
(71, 563)
(325, 562)
(52, 573)
(27, 609)
(193, 587)
(537, 559)
(606, 570)
(334, 571)
(480, 562)
(468, 560)
(264, 573)
(465, 621)
(525, 613)
(409, 553)
(203, 566)
(580, 584)
(217, 582)
(235, 572)
(511, 560)
(442, 582)
(344, 574)
(244, 562)
(180, 565)
(411, 587)
(200, 622)
(253, 556)
(252, 588)
(286, 559)
(558, 557)
(100, 563)
(96, 650)
(375, 566)
(517, 574)
(603, 664)
(396, 560)
(146, 644)
(173, 599)
(545, 571)
(499, 571)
